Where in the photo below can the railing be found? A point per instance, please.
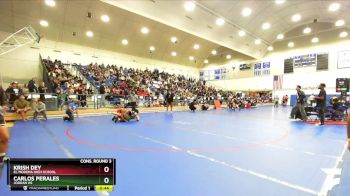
(93, 101)
(56, 102)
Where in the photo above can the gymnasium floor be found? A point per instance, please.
(251, 152)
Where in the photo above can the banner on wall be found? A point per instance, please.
(344, 59)
(257, 69)
(266, 68)
(216, 74)
(244, 67)
(305, 60)
(262, 69)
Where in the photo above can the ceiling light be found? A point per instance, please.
(343, 34)
(246, 11)
(315, 40)
(50, 3)
(291, 44)
(257, 42)
(307, 30)
(214, 52)
(333, 7)
(241, 33)
(206, 61)
(89, 33)
(339, 23)
(265, 26)
(105, 18)
(296, 17)
(228, 56)
(280, 1)
(173, 53)
(144, 30)
(173, 39)
(196, 46)
(189, 6)
(220, 21)
(270, 48)
(125, 42)
(44, 23)
(191, 58)
(152, 48)
(280, 36)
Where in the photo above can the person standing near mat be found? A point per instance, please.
(321, 103)
(169, 98)
(132, 99)
(300, 103)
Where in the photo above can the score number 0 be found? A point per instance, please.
(106, 170)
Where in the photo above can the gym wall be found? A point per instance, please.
(307, 77)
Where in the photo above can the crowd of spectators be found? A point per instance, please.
(116, 80)
(65, 84)
(113, 81)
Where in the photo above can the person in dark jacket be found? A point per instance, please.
(192, 106)
(169, 98)
(42, 90)
(10, 93)
(32, 87)
(301, 97)
(321, 102)
(3, 97)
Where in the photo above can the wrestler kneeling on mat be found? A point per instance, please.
(69, 114)
(125, 115)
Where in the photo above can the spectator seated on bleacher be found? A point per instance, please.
(62, 80)
(12, 93)
(39, 107)
(21, 106)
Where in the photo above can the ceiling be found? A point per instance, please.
(70, 16)
(201, 21)
(167, 18)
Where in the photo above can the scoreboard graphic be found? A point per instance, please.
(86, 174)
(305, 60)
(342, 85)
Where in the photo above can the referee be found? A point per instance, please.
(321, 102)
